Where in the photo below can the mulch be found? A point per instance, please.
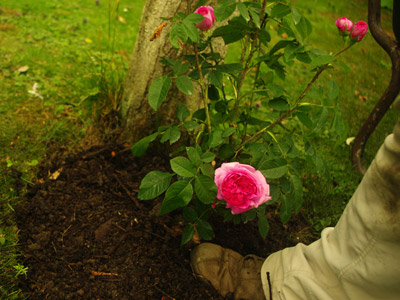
(85, 235)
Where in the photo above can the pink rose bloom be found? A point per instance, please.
(344, 24)
(359, 31)
(241, 186)
(208, 13)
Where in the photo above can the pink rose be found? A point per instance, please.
(208, 13)
(241, 186)
(344, 24)
(359, 31)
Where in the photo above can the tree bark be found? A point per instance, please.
(139, 117)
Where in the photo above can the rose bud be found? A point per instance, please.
(359, 31)
(344, 25)
(208, 13)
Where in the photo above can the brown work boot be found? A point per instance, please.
(229, 272)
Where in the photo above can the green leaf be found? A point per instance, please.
(207, 157)
(158, 91)
(243, 11)
(194, 156)
(285, 210)
(223, 12)
(200, 114)
(208, 170)
(182, 112)
(178, 194)
(305, 119)
(216, 138)
(255, 15)
(273, 168)
(221, 107)
(215, 78)
(304, 27)
(189, 214)
(178, 34)
(187, 234)
(140, 147)
(333, 90)
(228, 132)
(297, 192)
(226, 151)
(180, 68)
(191, 125)
(321, 60)
(205, 189)
(280, 10)
(340, 126)
(183, 167)
(172, 134)
(213, 93)
(154, 184)
(192, 31)
(263, 225)
(230, 68)
(229, 33)
(296, 15)
(184, 84)
(204, 229)
(194, 18)
(279, 104)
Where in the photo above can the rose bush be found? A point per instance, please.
(241, 186)
(208, 13)
(247, 116)
(344, 25)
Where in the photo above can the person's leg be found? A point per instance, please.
(360, 257)
(229, 272)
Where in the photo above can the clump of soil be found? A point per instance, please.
(85, 235)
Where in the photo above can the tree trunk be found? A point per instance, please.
(145, 66)
(392, 48)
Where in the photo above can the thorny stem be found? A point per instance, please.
(203, 88)
(292, 110)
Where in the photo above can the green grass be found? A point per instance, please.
(77, 52)
(66, 49)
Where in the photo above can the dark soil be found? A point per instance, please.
(84, 234)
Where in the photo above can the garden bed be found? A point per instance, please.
(84, 234)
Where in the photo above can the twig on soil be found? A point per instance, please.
(127, 191)
(119, 227)
(54, 247)
(96, 273)
(95, 153)
(62, 236)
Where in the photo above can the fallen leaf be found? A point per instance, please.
(350, 140)
(34, 92)
(55, 175)
(121, 19)
(23, 69)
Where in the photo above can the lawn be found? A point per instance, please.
(55, 56)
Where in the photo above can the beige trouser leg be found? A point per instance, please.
(360, 257)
